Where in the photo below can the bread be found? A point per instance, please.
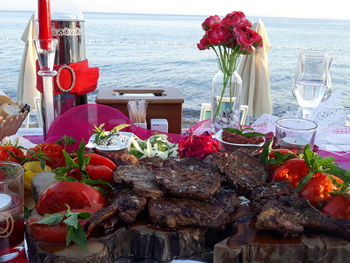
(9, 109)
(5, 100)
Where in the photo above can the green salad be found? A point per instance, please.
(157, 145)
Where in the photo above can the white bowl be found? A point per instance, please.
(230, 146)
(91, 144)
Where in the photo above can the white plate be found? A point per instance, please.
(218, 136)
(91, 144)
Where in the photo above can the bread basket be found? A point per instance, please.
(11, 124)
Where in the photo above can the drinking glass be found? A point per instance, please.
(294, 134)
(312, 80)
(11, 210)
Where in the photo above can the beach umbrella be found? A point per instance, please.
(254, 71)
(26, 91)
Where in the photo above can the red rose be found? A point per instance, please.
(258, 43)
(233, 19)
(203, 43)
(246, 23)
(245, 36)
(218, 35)
(211, 22)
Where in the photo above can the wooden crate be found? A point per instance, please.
(166, 104)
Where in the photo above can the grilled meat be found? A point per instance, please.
(243, 172)
(141, 179)
(174, 212)
(118, 157)
(284, 211)
(189, 178)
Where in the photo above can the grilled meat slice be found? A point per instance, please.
(291, 214)
(141, 179)
(243, 172)
(123, 204)
(129, 205)
(118, 158)
(189, 178)
(154, 162)
(174, 212)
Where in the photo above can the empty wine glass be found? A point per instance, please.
(312, 80)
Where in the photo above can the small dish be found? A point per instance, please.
(122, 142)
(229, 146)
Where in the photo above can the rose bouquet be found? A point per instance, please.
(229, 38)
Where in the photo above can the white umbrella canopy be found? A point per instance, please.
(26, 91)
(255, 74)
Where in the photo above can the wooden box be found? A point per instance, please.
(162, 103)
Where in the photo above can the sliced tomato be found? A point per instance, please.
(53, 151)
(292, 170)
(11, 153)
(56, 233)
(284, 152)
(96, 159)
(75, 194)
(100, 172)
(317, 190)
(46, 233)
(75, 173)
(338, 206)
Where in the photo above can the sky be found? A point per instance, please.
(334, 9)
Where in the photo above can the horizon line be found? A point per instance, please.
(168, 14)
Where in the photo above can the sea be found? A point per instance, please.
(148, 51)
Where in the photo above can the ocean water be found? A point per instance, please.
(147, 51)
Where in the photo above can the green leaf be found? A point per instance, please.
(264, 157)
(280, 158)
(304, 181)
(253, 134)
(51, 219)
(65, 178)
(95, 182)
(72, 220)
(233, 130)
(59, 171)
(79, 237)
(66, 140)
(81, 153)
(84, 215)
(119, 127)
(27, 212)
(69, 161)
(70, 234)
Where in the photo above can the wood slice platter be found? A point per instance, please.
(138, 241)
(271, 249)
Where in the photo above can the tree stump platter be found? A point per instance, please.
(270, 249)
(136, 242)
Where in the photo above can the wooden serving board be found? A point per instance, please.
(270, 249)
(138, 242)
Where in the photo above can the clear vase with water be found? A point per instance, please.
(226, 99)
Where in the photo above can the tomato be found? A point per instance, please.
(57, 233)
(100, 172)
(75, 194)
(292, 170)
(317, 190)
(283, 151)
(97, 159)
(46, 233)
(11, 153)
(53, 151)
(75, 173)
(338, 206)
(272, 167)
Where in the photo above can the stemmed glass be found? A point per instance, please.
(312, 80)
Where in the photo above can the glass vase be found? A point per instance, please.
(226, 100)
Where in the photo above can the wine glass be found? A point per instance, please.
(312, 80)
